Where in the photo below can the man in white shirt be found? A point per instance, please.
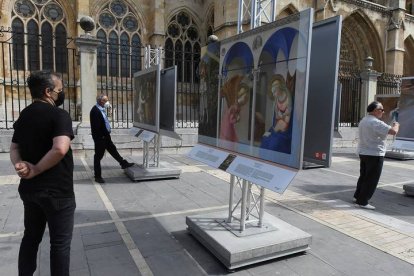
(371, 149)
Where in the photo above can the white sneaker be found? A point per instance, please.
(368, 206)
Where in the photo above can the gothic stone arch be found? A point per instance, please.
(359, 40)
(7, 7)
(409, 56)
(137, 10)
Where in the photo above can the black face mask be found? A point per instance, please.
(60, 99)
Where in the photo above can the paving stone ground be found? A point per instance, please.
(138, 228)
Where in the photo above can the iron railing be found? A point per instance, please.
(20, 54)
(188, 86)
(350, 80)
(116, 65)
(389, 84)
(115, 79)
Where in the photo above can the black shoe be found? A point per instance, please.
(99, 180)
(126, 164)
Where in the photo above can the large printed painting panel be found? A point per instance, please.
(168, 99)
(406, 110)
(262, 91)
(209, 83)
(322, 92)
(147, 99)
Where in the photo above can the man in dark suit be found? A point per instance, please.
(101, 134)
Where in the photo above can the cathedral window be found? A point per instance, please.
(39, 35)
(182, 46)
(119, 55)
(18, 44)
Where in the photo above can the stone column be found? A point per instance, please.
(225, 18)
(158, 35)
(321, 7)
(368, 86)
(87, 45)
(395, 38)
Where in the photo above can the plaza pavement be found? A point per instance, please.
(138, 228)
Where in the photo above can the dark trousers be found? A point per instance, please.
(58, 213)
(100, 146)
(370, 173)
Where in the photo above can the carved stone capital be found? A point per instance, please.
(87, 44)
(396, 23)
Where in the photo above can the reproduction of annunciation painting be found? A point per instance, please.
(262, 89)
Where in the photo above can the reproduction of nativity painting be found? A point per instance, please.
(256, 104)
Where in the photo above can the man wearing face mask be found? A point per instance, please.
(101, 134)
(41, 154)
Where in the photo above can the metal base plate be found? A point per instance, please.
(235, 251)
(165, 170)
(401, 155)
(250, 228)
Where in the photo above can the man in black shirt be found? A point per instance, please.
(42, 157)
(101, 134)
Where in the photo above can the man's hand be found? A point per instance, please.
(22, 169)
(26, 170)
(394, 129)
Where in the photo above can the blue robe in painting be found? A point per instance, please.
(278, 141)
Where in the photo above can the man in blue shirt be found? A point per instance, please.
(101, 134)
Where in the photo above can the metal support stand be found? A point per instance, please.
(240, 236)
(251, 209)
(151, 167)
(152, 56)
(151, 152)
(257, 11)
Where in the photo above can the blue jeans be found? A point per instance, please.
(58, 213)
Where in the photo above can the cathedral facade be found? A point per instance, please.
(40, 34)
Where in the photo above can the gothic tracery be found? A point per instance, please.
(182, 46)
(39, 18)
(120, 32)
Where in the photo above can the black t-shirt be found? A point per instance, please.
(34, 131)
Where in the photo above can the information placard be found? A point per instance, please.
(208, 155)
(146, 136)
(266, 175)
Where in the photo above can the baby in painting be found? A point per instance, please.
(283, 104)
